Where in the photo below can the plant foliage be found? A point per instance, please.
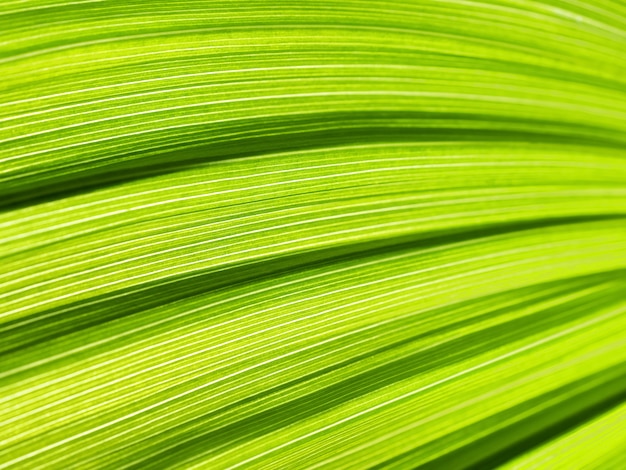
(313, 234)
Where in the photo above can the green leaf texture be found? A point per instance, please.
(321, 234)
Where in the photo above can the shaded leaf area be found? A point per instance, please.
(312, 234)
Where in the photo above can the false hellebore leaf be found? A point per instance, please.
(318, 234)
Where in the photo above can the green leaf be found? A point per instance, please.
(312, 234)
